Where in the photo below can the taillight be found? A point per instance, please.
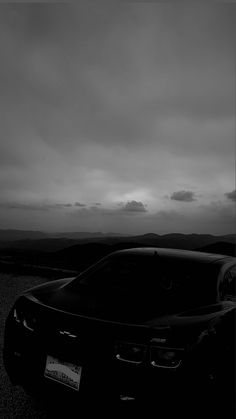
(165, 357)
(18, 316)
(28, 321)
(130, 352)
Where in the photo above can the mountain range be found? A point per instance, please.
(76, 251)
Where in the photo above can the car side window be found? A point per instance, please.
(228, 289)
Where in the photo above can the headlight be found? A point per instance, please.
(130, 352)
(165, 357)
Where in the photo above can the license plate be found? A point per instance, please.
(63, 372)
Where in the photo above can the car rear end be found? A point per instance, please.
(83, 355)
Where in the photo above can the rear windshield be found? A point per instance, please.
(168, 281)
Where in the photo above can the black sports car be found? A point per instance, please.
(145, 323)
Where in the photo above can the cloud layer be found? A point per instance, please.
(122, 103)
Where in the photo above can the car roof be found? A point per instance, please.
(175, 254)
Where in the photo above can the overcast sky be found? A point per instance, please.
(118, 117)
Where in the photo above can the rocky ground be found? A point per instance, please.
(14, 403)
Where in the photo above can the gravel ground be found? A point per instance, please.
(14, 403)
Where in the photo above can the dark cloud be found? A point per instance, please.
(185, 196)
(231, 195)
(34, 207)
(22, 206)
(128, 207)
(78, 204)
(68, 205)
(134, 206)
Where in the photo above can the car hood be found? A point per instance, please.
(62, 295)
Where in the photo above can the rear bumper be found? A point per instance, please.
(25, 355)
(25, 366)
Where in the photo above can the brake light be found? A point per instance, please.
(17, 316)
(28, 321)
(130, 352)
(165, 357)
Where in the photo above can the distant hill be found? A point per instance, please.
(13, 235)
(39, 241)
(34, 245)
(223, 248)
(78, 254)
(173, 240)
(83, 235)
(16, 235)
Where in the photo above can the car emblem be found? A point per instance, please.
(66, 333)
